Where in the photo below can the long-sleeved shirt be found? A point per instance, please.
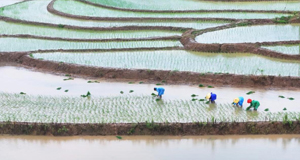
(160, 91)
(241, 101)
(213, 97)
(255, 104)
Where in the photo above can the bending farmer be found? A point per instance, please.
(160, 91)
(211, 97)
(253, 103)
(238, 102)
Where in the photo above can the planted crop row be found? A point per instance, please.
(199, 5)
(36, 11)
(180, 61)
(21, 44)
(15, 28)
(264, 33)
(124, 109)
(82, 9)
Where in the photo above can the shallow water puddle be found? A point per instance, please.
(151, 147)
(16, 80)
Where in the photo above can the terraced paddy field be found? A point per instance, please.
(74, 66)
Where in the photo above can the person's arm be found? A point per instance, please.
(251, 105)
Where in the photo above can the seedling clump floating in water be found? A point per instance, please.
(284, 109)
(59, 88)
(119, 137)
(68, 79)
(210, 86)
(22, 93)
(281, 96)
(88, 94)
(267, 109)
(121, 92)
(131, 91)
(250, 92)
(67, 75)
(158, 84)
(194, 95)
(67, 90)
(201, 99)
(291, 98)
(141, 82)
(201, 85)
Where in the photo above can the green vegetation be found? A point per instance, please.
(282, 19)
(250, 92)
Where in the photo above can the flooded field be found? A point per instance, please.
(252, 34)
(275, 147)
(29, 95)
(181, 60)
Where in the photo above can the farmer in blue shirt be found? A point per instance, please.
(212, 97)
(238, 102)
(160, 91)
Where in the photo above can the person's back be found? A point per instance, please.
(241, 101)
(160, 91)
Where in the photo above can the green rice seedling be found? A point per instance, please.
(67, 79)
(202, 100)
(281, 96)
(88, 95)
(158, 84)
(291, 98)
(119, 137)
(153, 94)
(201, 85)
(207, 102)
(141, 82)
(22, 93)
(130, 82)
(194, 99)
(157, 99)
(267, 109)
(284, 109)
(250, 92)
(89, 82)
(60, 26)
(67, 90)
(67, 75)
(194, 95)
(59, 88)
(131, 91)
(31, 55)
(121, 92)
(210, 87)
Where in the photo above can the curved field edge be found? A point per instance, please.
(179, 11)
(189, 42)
(172, 77)
(51, 9)
(150, 128)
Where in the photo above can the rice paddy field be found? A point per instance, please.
(134, 35)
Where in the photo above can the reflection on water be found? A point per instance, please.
(151, 147)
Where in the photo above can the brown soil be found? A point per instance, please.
(183, 11)
(242, 128)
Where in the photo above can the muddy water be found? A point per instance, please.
(16, 80)
(275, 147)
(8, 2)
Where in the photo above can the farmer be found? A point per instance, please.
(160, 91)
(238, 102)
(211, 97)
(253, 103)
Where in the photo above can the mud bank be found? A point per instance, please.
(234, 128)
(187, 11)
(172, 77)
(188, 40)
